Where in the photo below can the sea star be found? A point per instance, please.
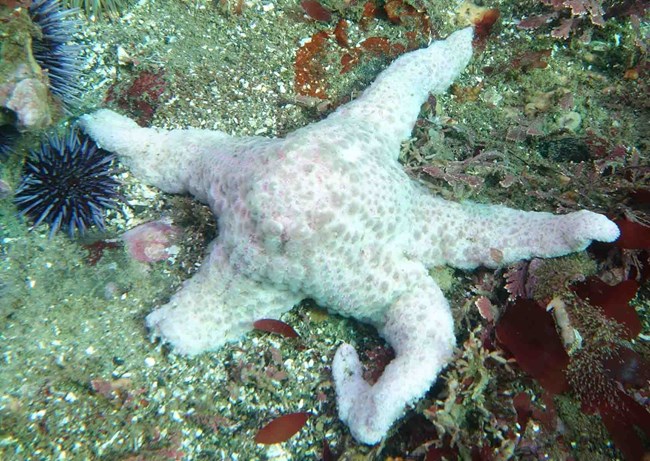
(328, 213)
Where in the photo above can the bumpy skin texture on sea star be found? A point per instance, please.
(328, 213)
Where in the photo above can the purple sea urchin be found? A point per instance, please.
(8, 137)
(52, 49)
(67, 183)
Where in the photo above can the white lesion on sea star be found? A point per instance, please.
(328, 213)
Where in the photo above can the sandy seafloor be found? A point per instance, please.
(66, 324)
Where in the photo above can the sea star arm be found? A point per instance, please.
(158, 157)
(468, 235)
(182, 160)
(419, 327)
(217, 305)
(388, 109)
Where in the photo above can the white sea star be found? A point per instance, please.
(328, 213)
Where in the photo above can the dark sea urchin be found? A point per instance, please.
(8, 137)
(52, 50)
(68, 183)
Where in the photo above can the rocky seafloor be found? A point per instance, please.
(538, 121)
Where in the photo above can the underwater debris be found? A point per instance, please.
(152, 241)
(282, 428)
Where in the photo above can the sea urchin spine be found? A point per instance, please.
(68, 183)
(52, 49)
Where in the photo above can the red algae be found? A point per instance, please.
(140, 96)
(315, 10)
(96, 250)
(613, 300)
(341, 33)
(309, 74)
(282, 428)
(634, 236)
(528, 332)
(275, 326)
